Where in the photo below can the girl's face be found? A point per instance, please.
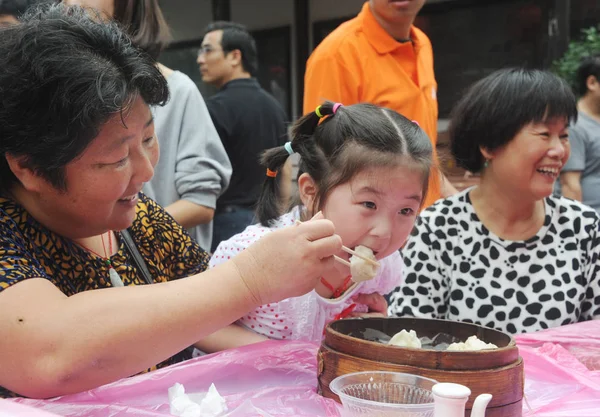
(377, 208)
(530, 163)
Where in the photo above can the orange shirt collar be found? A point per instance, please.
(378, 37)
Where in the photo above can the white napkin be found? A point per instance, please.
(208, 404)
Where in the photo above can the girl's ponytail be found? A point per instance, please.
(269, 202)
(269, 205)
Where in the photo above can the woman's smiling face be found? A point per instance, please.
(531, 162)
(102, 185)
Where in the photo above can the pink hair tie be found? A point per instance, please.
(336, 106)
(415, 122)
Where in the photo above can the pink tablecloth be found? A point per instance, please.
(562, 371)
(279, 379)
(266, 379)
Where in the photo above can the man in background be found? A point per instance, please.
(380, 57)
(247, 118)
(580, 177)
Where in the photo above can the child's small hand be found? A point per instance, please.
(375, 302)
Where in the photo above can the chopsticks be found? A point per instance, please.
(358, 255)
(341, 260)
(351, 252)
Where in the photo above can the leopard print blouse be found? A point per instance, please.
(30, 250)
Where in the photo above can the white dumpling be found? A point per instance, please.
(472, 343)
(457, 346)
(360, 269)
(405, 339)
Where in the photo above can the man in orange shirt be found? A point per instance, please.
(381, 58)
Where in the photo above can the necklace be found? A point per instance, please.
(115, 279)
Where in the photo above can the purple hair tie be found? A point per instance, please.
(336, 106)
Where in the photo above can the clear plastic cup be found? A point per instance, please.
(384, 394)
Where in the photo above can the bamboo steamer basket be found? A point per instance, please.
(497, 371)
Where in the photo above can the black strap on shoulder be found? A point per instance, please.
(140, 264)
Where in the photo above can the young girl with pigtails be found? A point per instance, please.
(366, 169)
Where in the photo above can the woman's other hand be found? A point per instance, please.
(288, 262)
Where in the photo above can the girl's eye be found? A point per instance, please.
(564, 137)
(369, 205)
(407, 211)
(148, 140)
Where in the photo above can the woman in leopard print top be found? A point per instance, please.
(76, 144)
(506, 254)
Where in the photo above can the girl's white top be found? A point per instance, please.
(304, 317)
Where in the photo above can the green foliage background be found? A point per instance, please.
(589, 44)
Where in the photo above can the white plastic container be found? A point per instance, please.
(384, 394)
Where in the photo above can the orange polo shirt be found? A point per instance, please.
(360, 62)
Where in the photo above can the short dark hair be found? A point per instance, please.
(589, 66)
(335, 148)
(145, 23)
(236, 36)
(64, 75)
(497, 107)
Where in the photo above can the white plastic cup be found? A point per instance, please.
(384, 394)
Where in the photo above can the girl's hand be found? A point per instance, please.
(288, 262)
(375, 302)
